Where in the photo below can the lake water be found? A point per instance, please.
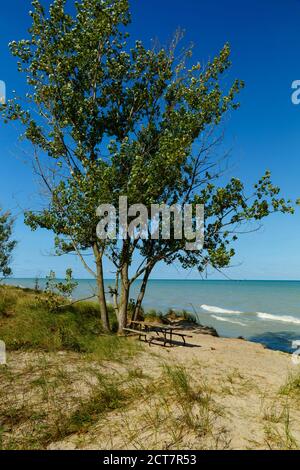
(261, 311)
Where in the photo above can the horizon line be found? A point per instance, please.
(162, 279)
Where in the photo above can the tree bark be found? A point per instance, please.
(101, 291)
(124, 299)
(139, 301)
(114, 292)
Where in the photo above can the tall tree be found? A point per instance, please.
(116, 121)
(6, 244)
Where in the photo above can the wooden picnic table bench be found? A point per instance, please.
(164, 332)
(137, 332)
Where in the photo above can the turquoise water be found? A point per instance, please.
(262, 311)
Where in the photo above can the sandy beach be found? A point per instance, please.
(215, 393)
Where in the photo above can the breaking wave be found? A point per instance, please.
(259, 315)
(281, 318)
(212, 309)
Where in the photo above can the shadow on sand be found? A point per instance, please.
(160, 342)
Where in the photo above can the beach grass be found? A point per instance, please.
(27, 323)
(292, 386)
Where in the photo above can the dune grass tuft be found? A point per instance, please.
(292, 386)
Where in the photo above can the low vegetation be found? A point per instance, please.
(169, 317)
(28, 323)
(292, 386)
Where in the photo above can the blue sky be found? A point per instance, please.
(263, 134)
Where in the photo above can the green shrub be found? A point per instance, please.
(173, 315)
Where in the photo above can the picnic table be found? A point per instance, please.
(163, 333)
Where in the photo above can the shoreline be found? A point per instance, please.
(277, 334)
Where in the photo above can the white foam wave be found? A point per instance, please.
(228, 321)
(212, 309)
(282, 318)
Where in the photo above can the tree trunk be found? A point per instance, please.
(102, 301)
(115, 300)
(101, 291)
(137, 310)
(124, 299)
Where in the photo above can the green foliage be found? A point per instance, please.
(6, 243)
(56, 291)
(65, 288)
(89, 86)
(112, 121)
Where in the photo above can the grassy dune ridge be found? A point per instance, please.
(27, 323)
